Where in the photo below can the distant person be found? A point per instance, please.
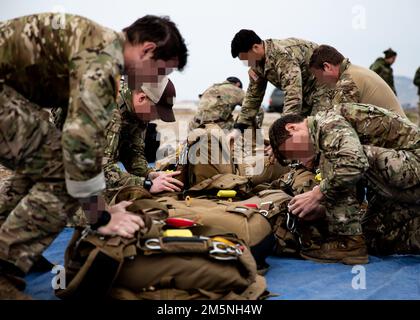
(217, 103)
(417, 83)
(382, 66)
(285, 64)
(351, 83)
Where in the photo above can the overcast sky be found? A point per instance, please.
(360, 29)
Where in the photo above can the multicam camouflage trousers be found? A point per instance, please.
(390, 227)
(34, 204)
(392, 220)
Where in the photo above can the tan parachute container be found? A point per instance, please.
(207, 153)
(211, 264)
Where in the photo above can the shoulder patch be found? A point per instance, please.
(252, 74)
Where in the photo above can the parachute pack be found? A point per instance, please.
(199, 244)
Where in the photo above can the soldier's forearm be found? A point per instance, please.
(138, 165)
(339, 183)
(141, 171)
(248, 113)
(116, 178)
(292, 105)
(292, 109)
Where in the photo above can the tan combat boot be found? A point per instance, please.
(8, 290)
(346, 249)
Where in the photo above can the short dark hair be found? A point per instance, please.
(278, 133)
(389, 53)
(163, 32)
(324, 54)
(235, 80)
(243, 42)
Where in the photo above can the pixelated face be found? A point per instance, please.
(141, 67)
(328, 75)
(249, 58)
(144, 108)
(299, 145)
(391, 60)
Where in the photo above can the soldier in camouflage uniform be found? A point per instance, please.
(285, 64)
(217, 104)
(357, 144)
(391, 227)
(125, 138)
(351, 83)
(382, 66)
(72, 63)
(416, 82)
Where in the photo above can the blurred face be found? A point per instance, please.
(329, 75)
(391, 60)
(299, 146)
(145, 109)
(255, 54)
(140, 66)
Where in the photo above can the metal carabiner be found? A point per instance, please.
(86, 231)
(222, 251)
(291, 222)
(264, 212)
(265, 208)
(152, 244)
(292, 226)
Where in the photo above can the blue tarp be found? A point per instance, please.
(394, 277)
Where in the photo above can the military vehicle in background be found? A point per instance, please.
(276, 101)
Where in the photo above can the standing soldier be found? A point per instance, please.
(417, 83)
(285, 64)
(382, 66)
(351, 83)
(69, 62)
(356, 144)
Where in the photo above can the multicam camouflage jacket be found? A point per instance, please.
(338, 137)
(360, 85)
(286, 66)
(69, 62)
(125, 144)
(384, 70)
(217, 104)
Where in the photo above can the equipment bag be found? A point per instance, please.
(208, 264)
(291, 234)
(207, 153)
